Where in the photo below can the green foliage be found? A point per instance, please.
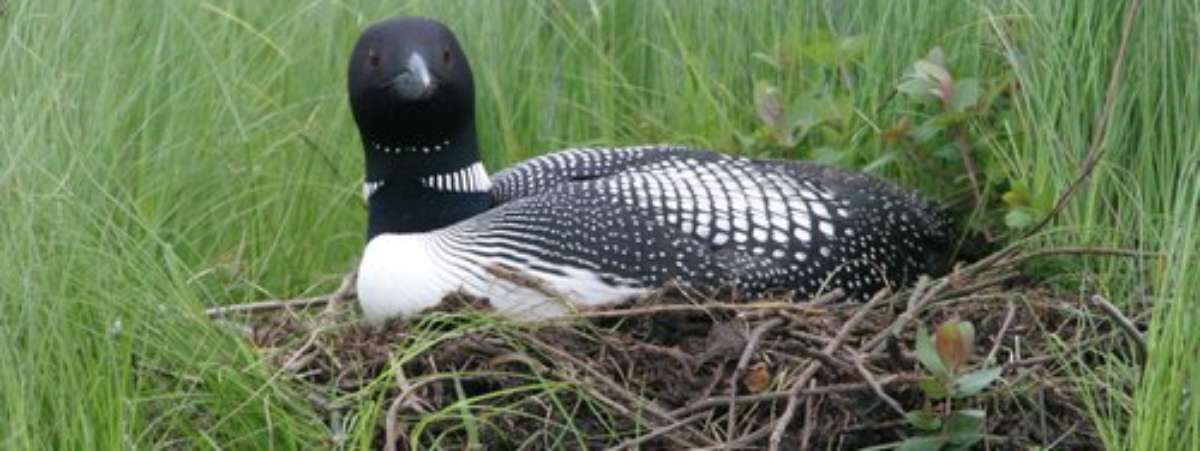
(814, 121)
(944, 355)
(159, 157)
(928, 355)
(954, 109)
(937, 123)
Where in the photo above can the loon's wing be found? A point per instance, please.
(541, 173)
(712, 221)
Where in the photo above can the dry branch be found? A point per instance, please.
(662, 386)
(735, 380)
(344, 292)
(798, 386)
(1124, 322)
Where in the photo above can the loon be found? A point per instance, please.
(591, 227)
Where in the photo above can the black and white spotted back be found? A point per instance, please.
(644, 216)
(570, 165)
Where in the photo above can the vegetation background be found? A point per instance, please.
(160, 157)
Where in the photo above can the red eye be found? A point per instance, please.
(373, 58)
(446, 57)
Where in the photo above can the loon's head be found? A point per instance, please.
(410, 87)
(413, 98)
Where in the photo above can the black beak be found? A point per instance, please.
(414, 82)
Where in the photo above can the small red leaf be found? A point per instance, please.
(950, 346)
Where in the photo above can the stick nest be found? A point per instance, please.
(675, 371)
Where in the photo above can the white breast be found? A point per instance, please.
(402, 275)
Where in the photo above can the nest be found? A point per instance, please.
(677, 371)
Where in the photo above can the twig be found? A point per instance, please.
(529, 281)
(695, 307)
(633, 443)
(1100, 129)
(999, 340)
(636, 415)
(390, 434)
(873, 426)
(1126, 325)
(1068, 348)
(972, 168)
(687, 361)
(875, 386)
(745, 440)
(803, 335)
(1079, 250)
(980, 285)
(298, 358)
(828, 359)
(1071, 430)
(643, 404)
(985, 263)
(767, 305)
(780, 426)
(827, 298)
(345, 291)
(849, 387)
(751, 346)
(916, 302)
(810, 420)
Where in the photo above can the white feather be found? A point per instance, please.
(404, 274)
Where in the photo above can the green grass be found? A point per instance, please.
(161, 157)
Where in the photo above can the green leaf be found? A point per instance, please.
(768, 106)
(821, 49)
(745, 141)
(966, 94)
(1017, 196)
(933, 71)
(883, 161)
(852, 48)
(972, 383)
(802, 116)
(928, 356)
(961, 446)
(882, 447)
(938, 76)
(1018, 219)
(924, 420)
(964, 426)
(834, 109)
(770, 60)
(936, 56)
(919, 88)
(949, 153)
(927, 130)
(933, 388)
(826, 154)
(923, 443)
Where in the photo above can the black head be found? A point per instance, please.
(414, 102)
(412, 95)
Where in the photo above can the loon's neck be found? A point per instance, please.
(423, 185)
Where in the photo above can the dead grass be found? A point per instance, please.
(680, 371)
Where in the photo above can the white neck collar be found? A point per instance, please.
(472, 178)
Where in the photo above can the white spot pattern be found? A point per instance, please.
(422, 149)
(603, 224)
(470, 179)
